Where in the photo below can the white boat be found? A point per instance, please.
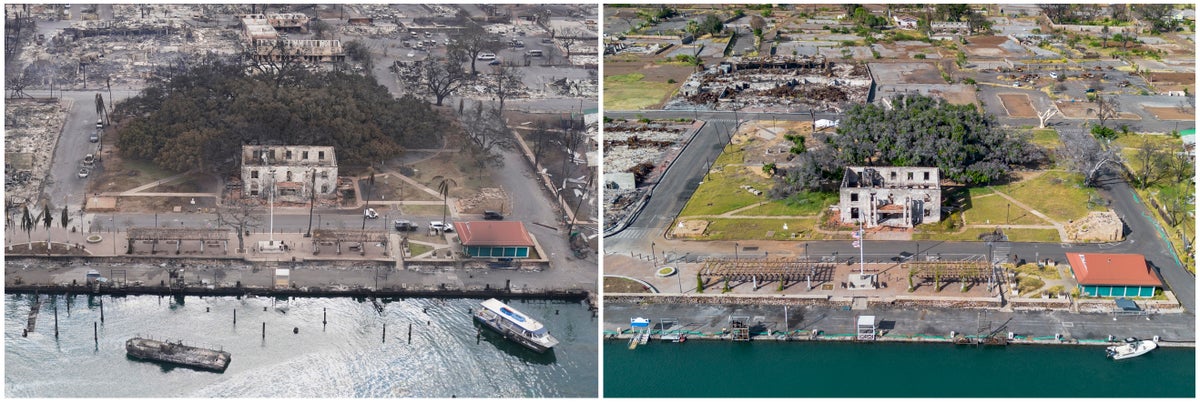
(515, 325)
(1130, 349)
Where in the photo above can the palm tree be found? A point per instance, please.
(444, 185)
(64, 219)
(27, 223)
(47, 220)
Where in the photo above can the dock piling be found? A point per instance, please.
(95, 331)
(384, 338)
(410, 333)
(235, 316)
(324, 318)
(56, 320)
(264, 332)
(101, 310)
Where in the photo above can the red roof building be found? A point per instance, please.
(503, 239)
(1111, 274)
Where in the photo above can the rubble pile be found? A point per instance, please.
(628, 144)
(813, 82)
(486, 199)
(573, 88)
(31, 131)
(1098, 226)
(123, 52)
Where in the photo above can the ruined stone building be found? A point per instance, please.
(262, 33)
(890, 196)
(294, 169)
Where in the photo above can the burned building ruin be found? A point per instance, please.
(297, 171)
(900, 197)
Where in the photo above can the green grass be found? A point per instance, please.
(1185, 225)
(971, 234)
(1031, 269)
(628, 92)
(757, 228)
(1032, 235)
(994, 210)
(800, 204)
(721, 191)
(1059, 195)
(422, 210)
(1130, 144)
(1029, 284)
(1046, 138)
(417, 249)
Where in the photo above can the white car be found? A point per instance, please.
(487, 56)
(441, 226)
(83, 172)
(370, 213)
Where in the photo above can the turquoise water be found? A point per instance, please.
(348, 357)
(831, 369)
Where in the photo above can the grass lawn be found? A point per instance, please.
(757, 228)
(1032, 235)
(1131, 144)
(621, 285)
(117, 176)
(1184, 225)
(422, 210)
(972, 234)
(994, 210)
(1031, 269)
(629, 92)
(1046, 138)
(721, 191)
(467, 175)
(800, 204)
(417, 249)
(1059, 195)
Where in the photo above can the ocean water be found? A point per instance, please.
(835, 369)
(348, 357)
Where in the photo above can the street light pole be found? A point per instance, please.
(653, 255)
(735, 251)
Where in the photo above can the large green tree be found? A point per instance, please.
(203, 115)
(968, 147)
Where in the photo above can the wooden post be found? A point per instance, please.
(264, 332)
(101, 309)
(410, 333)
(324, 316)
(235, 316)
(55, 319)
(384, 338)
(95, 332)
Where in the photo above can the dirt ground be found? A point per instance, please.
(654, 72)
(1078, 110)
(987, 46)
(1171, 113)
(1018, 105)
(1174, 78)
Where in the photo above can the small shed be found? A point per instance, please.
(1113, 275)
(866, 328)
(283, 278)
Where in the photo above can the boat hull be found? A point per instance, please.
(178, 354)
(511, 335)
(1130, 350)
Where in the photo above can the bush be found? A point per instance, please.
(919, 56)
(670, 81)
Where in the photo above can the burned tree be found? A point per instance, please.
(239, 216)
(1085, 155)
(439, 76)
(473, 40)
(505, 83)
(1106, 108)
(486, 135)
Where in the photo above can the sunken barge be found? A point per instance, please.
(177, 353)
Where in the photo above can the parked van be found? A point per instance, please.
(535, 53)
(487, 56)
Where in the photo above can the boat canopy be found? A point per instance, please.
(639, 322)
(514, 316)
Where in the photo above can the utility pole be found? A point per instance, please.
(312, 202)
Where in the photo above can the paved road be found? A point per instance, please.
(64, 183)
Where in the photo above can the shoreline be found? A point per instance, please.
(564, 295)
(807, 336)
